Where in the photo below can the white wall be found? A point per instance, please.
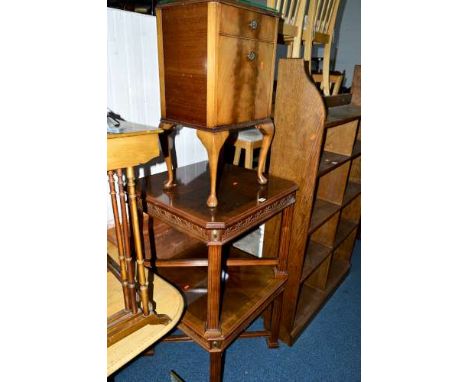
(348, 38)
(133, 83)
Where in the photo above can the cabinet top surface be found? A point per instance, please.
(240, 3)
(239, 194)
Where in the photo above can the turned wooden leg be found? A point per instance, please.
(120, 245)
(326, 69)
(126, 239)
(213, 143)
(214, 290)
(216, 366)
(267, 129)
(137, 240)
(165, 139)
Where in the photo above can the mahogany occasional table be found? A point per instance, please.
(225, 289)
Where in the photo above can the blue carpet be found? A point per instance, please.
(329, 349)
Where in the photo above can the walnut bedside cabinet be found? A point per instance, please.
(216, 70)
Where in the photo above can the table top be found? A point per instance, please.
(242, 202)
(127, 129)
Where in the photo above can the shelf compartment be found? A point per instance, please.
(356, 149)
(315, 254)
(311, 299)
(352, 212)
(339, 115)
(329, 161)
(353, 190)
(325, 234)
(332, 185)
(340, 139)
(355, 172)
(318, 278)
(345, 228)
(345, 249)
(321, 212)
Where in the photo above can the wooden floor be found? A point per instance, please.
(168, 301)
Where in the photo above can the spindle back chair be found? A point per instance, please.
(318, 29)
(292, 13)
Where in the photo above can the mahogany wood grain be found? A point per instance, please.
(184, 37)
(217, 60)
(214, 291)
(216, 366)
(241, 197)
(209, 79)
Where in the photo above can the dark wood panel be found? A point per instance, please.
(185, 55)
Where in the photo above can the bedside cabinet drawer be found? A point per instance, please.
(245, 75)
(249, 24)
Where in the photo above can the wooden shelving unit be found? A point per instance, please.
(328, 204)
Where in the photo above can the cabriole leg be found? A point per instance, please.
(166, 142)
(267, 129)
(213, 143)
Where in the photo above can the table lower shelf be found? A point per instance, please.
(246, 292)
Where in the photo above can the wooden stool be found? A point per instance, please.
(249, 140)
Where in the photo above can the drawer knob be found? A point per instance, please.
(253, 24)
(251, 56)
